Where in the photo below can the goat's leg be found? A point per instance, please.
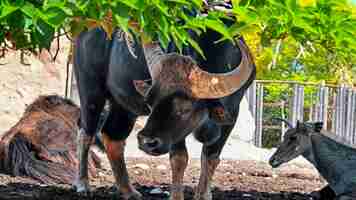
(348, 196)
(325, 193)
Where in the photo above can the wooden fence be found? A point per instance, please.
(334, 105)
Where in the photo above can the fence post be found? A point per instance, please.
(297, 105)
(312, 109)
(251, 98)
(338, 108)
(323, 102)
(294, 104)
(334, 113)
(353, 118)
(259, 115)
(301, 103)
(343, 111)
(283, 127)
(348, 119)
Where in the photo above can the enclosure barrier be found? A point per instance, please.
(335, 105)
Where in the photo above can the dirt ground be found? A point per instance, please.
(243, 180)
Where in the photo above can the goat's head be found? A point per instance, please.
(296, 141)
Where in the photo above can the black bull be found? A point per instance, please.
(108, 70)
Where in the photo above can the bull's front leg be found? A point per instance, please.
(209, 162)
(178, 158)
(208, 166)
(84, 141)
(115, 152)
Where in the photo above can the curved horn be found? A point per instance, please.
(205, 85)
(153, 55)
(289, 124)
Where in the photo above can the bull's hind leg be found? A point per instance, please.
(115, 152)
(209, 162)
(115, 131)
(178, 157)
(83, 145)
(89, 117)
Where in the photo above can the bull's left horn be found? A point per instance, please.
(205, 85)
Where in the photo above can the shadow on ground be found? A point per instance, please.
(30, 192)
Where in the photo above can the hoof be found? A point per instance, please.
(134, 195)
(203, 196)
(177, 196)
(82, 187)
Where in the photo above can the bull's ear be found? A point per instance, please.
(142, 86)
(219, 114)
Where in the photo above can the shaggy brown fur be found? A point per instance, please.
(42, 145)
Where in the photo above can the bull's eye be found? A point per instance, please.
(182, 108)
(183, 113)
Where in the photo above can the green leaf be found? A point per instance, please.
(43, 34)
(195, 45)
(16, 21)
(82, 4)
(219, 27)
(7, 10)
(176, 38)
(163, 40)
(121, 15)
(54, 16)
(53, 3)
(30, 10)
(162, 7)
(76, 27)
(133, 4)
(198, 3)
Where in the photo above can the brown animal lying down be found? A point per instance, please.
(42, 145)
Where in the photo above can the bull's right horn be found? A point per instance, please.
(205, 85)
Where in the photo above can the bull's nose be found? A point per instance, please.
(148, 144)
